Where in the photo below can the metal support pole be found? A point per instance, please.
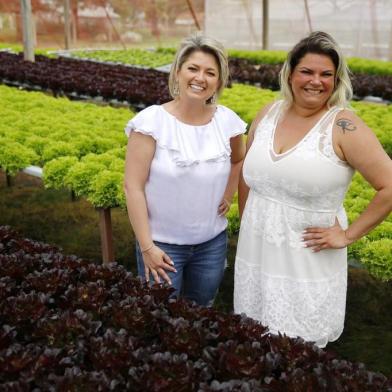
(67, 24)
(265, 24)
(307, 14)
(390, 44)
(105, 229)
(193, 13)
(28, 39)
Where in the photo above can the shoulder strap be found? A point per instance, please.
(325, 143)
(270, 116)
(273, 111)
(326, 125)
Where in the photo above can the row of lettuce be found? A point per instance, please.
(356, 64)
(260, 68)
(71, 325)
(85, 79)
(162, 56)
(139, 87)
(81, 147)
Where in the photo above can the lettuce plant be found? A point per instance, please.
(72, 325)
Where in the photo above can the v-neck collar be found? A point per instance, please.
(276, 156)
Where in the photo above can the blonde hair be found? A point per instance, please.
(322, 43)
(198, 42)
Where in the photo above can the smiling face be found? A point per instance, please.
(313, 80)
(198, 77)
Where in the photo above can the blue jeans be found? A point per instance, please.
(200, 268)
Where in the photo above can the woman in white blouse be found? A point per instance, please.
(182, 169)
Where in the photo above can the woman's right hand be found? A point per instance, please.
(156, 262)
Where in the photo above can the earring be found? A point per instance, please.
(176, 89)
(212, 100)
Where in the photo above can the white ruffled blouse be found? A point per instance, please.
(188, 174)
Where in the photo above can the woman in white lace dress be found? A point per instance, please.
(291, 263)
(182, 168)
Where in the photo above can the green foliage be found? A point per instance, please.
(163, 56)
(260, 56)
(369, 66)
(102, 159)
(246, 101)
(57, 133)
(117, 165)
(106, 187)
(35, 142)
(81, 175)
(121, 197)
(356, 65)
(233, 218)
(17, 48)
(139, 57)
(15, 156)
(37, 128)
(372, 257)
(376, 255)
(56, 170)
(56, 149)
(379, 119)
(118, 152)
(58, 127)
(168, 51)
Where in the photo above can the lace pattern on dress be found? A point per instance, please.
(267, 124)
(278, 223)
(320, 134)
(311, 135)
(315, 310)
(290, 193)
(325, 145)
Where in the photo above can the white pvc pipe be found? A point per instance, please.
(33, 171)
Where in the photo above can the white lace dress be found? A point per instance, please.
(284, 285)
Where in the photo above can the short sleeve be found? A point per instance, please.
(188, 144)
(233, 125)
(144, 122)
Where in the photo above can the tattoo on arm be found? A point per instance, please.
(346, 125)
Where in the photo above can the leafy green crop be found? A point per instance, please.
(260, 56)
(140, 57)
(163, 56)
(56, 171)
(19, 48)
(376, 256)
(15, 156)
(369, 66)
(82, 147)
(106, 187)
(356, 65)
(74, 142)
(81, 176)
(246, 101)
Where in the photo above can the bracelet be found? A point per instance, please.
(147, 249)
